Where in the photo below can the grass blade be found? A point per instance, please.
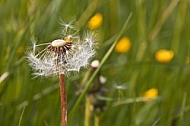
(101, 63)
(20, 119)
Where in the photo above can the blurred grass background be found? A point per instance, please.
(154, 25)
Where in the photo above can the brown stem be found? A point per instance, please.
(63, 100)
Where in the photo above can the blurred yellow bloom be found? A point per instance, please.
(151, 94)
(123, 45)
(187, 60)
(164, 55)
(95, 21)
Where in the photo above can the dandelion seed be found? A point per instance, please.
(69, 29)
(34, 44)
(120, 87)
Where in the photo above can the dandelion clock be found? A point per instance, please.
(61, 56)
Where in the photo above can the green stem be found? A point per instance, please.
(87, 112)
(20, 119)
(96, 71)
(97, 119)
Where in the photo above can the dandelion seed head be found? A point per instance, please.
(63, 55)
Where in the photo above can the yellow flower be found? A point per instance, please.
(151, 94)
(164, 56)
(95, 21)
(123, 45)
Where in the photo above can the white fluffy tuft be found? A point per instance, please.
(48, 63)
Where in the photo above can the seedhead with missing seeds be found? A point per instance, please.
(63, 55)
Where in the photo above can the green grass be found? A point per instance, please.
(154, 25)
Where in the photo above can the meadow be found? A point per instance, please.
(143, 78)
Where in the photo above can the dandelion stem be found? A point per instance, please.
(63, 100)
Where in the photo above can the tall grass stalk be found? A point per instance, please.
(88, 83)
(179, 22)
(163, 18)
